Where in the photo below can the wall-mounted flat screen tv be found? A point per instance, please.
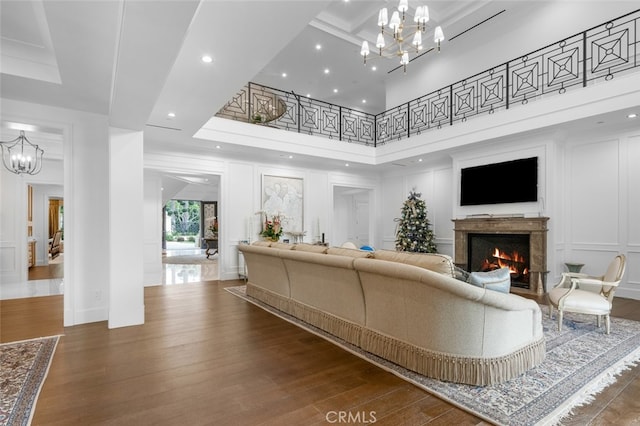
(513, 181)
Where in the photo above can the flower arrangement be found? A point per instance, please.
(272, 228)
(214, 225)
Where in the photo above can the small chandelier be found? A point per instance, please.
(398, 45)
(21, 156)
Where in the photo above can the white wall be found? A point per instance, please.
(13, 218)
(352, 213)
(601, 204)
(86, 207)
(435, 184)
(152, 229)
(126, 219)
(199, 192)
(588, 187)
(13, 228)
(240, 199)
(532, 146)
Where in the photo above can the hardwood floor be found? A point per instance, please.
(53, 270)
(32, 317)
(207, 357)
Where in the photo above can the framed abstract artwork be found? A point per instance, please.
(284, 196)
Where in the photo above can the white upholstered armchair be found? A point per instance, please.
(587, 295)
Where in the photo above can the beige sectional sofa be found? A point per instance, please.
(404, 307)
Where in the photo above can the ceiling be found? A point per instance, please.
(138, 61)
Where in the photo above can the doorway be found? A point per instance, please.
(182, 224)
(352, 214)
(45, 219)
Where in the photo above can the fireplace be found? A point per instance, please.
(521, 245)
(488, 252)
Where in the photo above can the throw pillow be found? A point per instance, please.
(348, 252)
(435, 262)
(497, 280)
(460, 274)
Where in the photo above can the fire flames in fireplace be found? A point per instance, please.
(516, 263)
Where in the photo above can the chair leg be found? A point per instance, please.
(550, 311)
(599, 320)
(559, 320)
(607, 322)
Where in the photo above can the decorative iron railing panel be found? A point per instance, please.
(237, 107)
(596, 54)
(392, 124)
(358, 127)
(613, 47)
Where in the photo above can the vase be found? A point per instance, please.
(574, 267)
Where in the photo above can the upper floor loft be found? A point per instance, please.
(573, 77)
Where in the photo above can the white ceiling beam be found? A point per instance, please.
(151, 36)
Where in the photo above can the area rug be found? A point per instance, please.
(24, 367)
(581, 361)
(190, 259)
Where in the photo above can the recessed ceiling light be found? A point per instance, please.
(291, 156)
(419, 160)
(308, 95)
(632, 115)
(364, 101)
(335, 90)
(326, 70)
(206, 59)
(217, 146)
(318, 46)
(346, 164)
(284, 74)
(171, 115)
(373, 68)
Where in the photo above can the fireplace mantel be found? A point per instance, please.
(535, 227)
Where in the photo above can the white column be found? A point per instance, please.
(126, 225)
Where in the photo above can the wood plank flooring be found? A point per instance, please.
(29, 318)
(206, 357)
(45, 272)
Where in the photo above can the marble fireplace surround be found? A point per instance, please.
(535, 227)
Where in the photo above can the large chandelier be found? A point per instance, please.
(400, 38)
(21, 156)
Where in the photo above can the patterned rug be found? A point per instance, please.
(24, 367)
(581, 361)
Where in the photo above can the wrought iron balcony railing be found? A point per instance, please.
(596, 54)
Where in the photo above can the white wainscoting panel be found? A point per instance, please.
(442, 207)
(633, 191)
(393, 195)
(594, 193)
(630, 286)
(8, 260)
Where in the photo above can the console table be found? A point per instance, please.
(212, 244)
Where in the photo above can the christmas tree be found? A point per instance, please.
(414, 233)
